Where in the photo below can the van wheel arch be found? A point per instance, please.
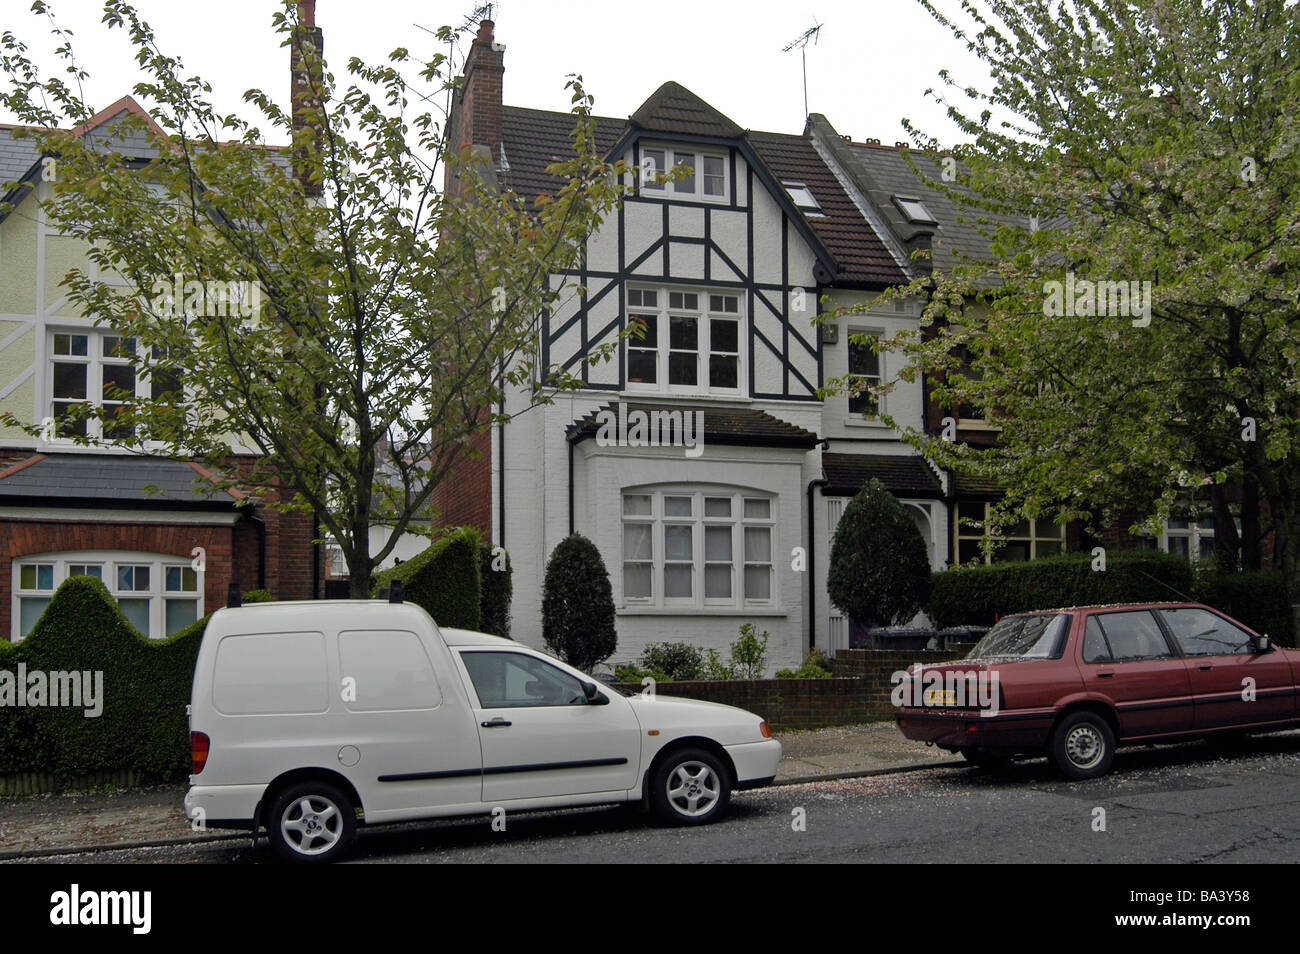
(281, 782)
(686, 742)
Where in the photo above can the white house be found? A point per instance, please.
(729, 519)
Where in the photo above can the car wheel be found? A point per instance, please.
(1083, 746)
(311, 822)
(690, 787)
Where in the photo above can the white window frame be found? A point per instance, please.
(109, 561)
(812, 206)
(95, 362)
(659, 521)
(1200, 540)
(673, 156)
(704, 316)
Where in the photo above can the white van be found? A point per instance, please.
(310, 718)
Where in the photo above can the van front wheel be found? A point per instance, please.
(312, 822)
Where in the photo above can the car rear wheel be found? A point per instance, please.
(1083, 746)
(311, 822)
(690, 787)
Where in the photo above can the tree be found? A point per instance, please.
(578, 604)
(1136, 343)
(327, 307)
(880, 566)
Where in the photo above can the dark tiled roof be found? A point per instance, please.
(858, 251)
(971, 485)
(722, 425)
(535, 138)
(107, 480)
(673, 108)
(904, 475)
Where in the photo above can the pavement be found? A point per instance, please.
(34, 826)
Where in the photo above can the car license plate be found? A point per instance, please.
(940, 697)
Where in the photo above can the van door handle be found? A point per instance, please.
(1206, 668)
(497, 723)
(1106, 675)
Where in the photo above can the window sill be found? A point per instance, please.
(684, 398)
(854, 421)
(626, 610)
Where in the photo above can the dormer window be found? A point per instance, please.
(802, 197)
(914, 210)
(703, 176)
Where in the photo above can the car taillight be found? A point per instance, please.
(199, 745)
(765, 730)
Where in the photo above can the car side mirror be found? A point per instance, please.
(1263, 644)
(594, 696)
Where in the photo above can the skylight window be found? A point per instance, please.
(915, 210)
(802, 196)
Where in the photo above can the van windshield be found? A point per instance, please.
(1039, 636)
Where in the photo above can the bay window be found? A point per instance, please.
(698, 548)
(158, 594)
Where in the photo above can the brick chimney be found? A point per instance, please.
(305, 75)
(475, 121)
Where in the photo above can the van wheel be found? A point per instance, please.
(1083, 746)
(690, 787)
(311, 822)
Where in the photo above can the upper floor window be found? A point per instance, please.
(864, 374)
(105, 370)
(698, 548)
(703, 174)
(158, 594)
(689, 341)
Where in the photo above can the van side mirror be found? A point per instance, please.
(594, 696)
(1263, 644)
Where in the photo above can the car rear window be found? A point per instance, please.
(1040, 636)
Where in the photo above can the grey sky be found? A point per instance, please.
(871, 66)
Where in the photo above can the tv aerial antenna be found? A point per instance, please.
(801, 44)
(483, 11)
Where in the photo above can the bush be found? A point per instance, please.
(979, 595)
(578, 604)
(816, 665)
(146, 686)
(1256, 597)
(672, 661)
(496, 574)
(880, 567)
(444, 579)
(749, 653)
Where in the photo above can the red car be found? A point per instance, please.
(1076, 683)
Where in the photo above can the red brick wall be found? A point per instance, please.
(464, 498)
(22, 538)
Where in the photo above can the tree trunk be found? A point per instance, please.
(1250, 535)
(1226, 542)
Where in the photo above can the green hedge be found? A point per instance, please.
(445, 579)
(1257, 598)
(979, 595)
(146, 686)
(498, 590)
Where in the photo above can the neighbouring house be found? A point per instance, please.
(909, 212)
(727, 516)
(164, 540)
